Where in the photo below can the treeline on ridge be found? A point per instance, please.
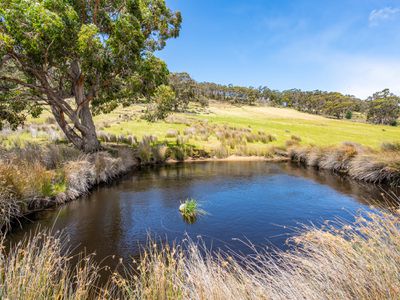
(380, 108)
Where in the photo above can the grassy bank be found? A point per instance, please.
(35, 177)
(338, 261)
(358, 162)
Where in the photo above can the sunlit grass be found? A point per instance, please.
(317, 130)
(279, 122)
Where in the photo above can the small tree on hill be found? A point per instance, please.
(97, 52)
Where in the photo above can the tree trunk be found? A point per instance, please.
(89, 136)
(83, 134)
(87, 139)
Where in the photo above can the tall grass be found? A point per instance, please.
(337, 261)
(34, 177)
(37, 269)
(360, 163)
(358, 261)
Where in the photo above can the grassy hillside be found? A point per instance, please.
(279, 122)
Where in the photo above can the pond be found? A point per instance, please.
(261, 202)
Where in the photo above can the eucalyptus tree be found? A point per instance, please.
(78, 57)
(185, 89)
(383, 108)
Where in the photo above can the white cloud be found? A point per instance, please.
(379, 15)
(363, 75)
(330, 68)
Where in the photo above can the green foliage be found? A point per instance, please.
(53, 185)
(185, 88)
(100, 52)
(383, 108)
(162, 103)
(348, 115)
(46, 189)
(316, 102)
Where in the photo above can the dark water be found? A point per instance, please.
(257, 201)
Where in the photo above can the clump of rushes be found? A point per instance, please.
(191, 208)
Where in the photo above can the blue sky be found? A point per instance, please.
(350, 46)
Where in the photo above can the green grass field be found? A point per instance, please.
(279, 122)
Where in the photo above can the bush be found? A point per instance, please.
(349, 115)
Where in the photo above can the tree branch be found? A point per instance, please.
(23, 83)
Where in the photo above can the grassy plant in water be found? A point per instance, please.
(191, 209)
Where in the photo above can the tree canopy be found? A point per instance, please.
(383, 108)
(98, 52)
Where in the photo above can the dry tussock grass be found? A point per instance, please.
(346, 262)
(34, 177)
(360, 163)
(337, 261)
(37, 269)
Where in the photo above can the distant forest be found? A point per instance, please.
(380, 108)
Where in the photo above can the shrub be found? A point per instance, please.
(144, 149)
(291, 143)
(55, 156)
(251, 137)
(189, 131)
(160, 153)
